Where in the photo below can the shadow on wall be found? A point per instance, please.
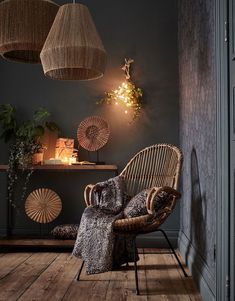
(198, 219)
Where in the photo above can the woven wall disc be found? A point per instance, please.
(24, 26)
(43, 205)
(93, 133)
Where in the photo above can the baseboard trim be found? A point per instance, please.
(202, 276)
(152, 240)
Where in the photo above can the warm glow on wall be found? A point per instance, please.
(127, 95)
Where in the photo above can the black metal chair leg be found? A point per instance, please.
(80, 271)
(173, 251)
(136, 271)
(126, 253)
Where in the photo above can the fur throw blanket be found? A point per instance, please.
(96, 242)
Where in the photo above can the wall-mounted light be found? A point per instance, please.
(127, 95)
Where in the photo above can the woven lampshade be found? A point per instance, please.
(73, 49)
(24, 26)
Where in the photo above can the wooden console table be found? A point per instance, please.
(10, 241)
(69, 167)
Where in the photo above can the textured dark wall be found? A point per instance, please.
(197, 127)
(143, 30)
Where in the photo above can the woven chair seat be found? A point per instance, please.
(132, 224)
(145, 223)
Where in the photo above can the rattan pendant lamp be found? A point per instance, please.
(24, 26)
(73, 49)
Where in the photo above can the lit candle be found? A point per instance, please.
(72, 160)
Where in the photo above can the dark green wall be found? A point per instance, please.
(143, 30)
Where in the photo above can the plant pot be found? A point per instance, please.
(37, 158)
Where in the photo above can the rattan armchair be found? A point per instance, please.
(156, 168)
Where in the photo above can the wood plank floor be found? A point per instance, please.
(51, 276)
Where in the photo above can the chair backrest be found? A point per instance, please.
(157, 165)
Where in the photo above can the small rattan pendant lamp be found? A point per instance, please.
(73, 49)
(24, 26)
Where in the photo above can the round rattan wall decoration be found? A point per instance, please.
(93, 133)
(43, 205)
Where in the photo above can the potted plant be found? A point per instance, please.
(24, 138)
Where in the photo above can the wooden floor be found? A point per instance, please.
(51, 276)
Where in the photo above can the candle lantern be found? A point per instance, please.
(64, 149)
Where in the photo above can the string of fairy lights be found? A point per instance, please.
(127, 95)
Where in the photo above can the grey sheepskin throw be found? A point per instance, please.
(96, 242)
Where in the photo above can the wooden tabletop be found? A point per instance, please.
(69, 167)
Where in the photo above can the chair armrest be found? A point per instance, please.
(88, 193)
(156, 190)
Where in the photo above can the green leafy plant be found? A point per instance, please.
(24, 138)
(8, 122)
(128, 96)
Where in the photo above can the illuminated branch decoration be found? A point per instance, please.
(127, 95)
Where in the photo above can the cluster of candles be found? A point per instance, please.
(69, 160)
(62, 160)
